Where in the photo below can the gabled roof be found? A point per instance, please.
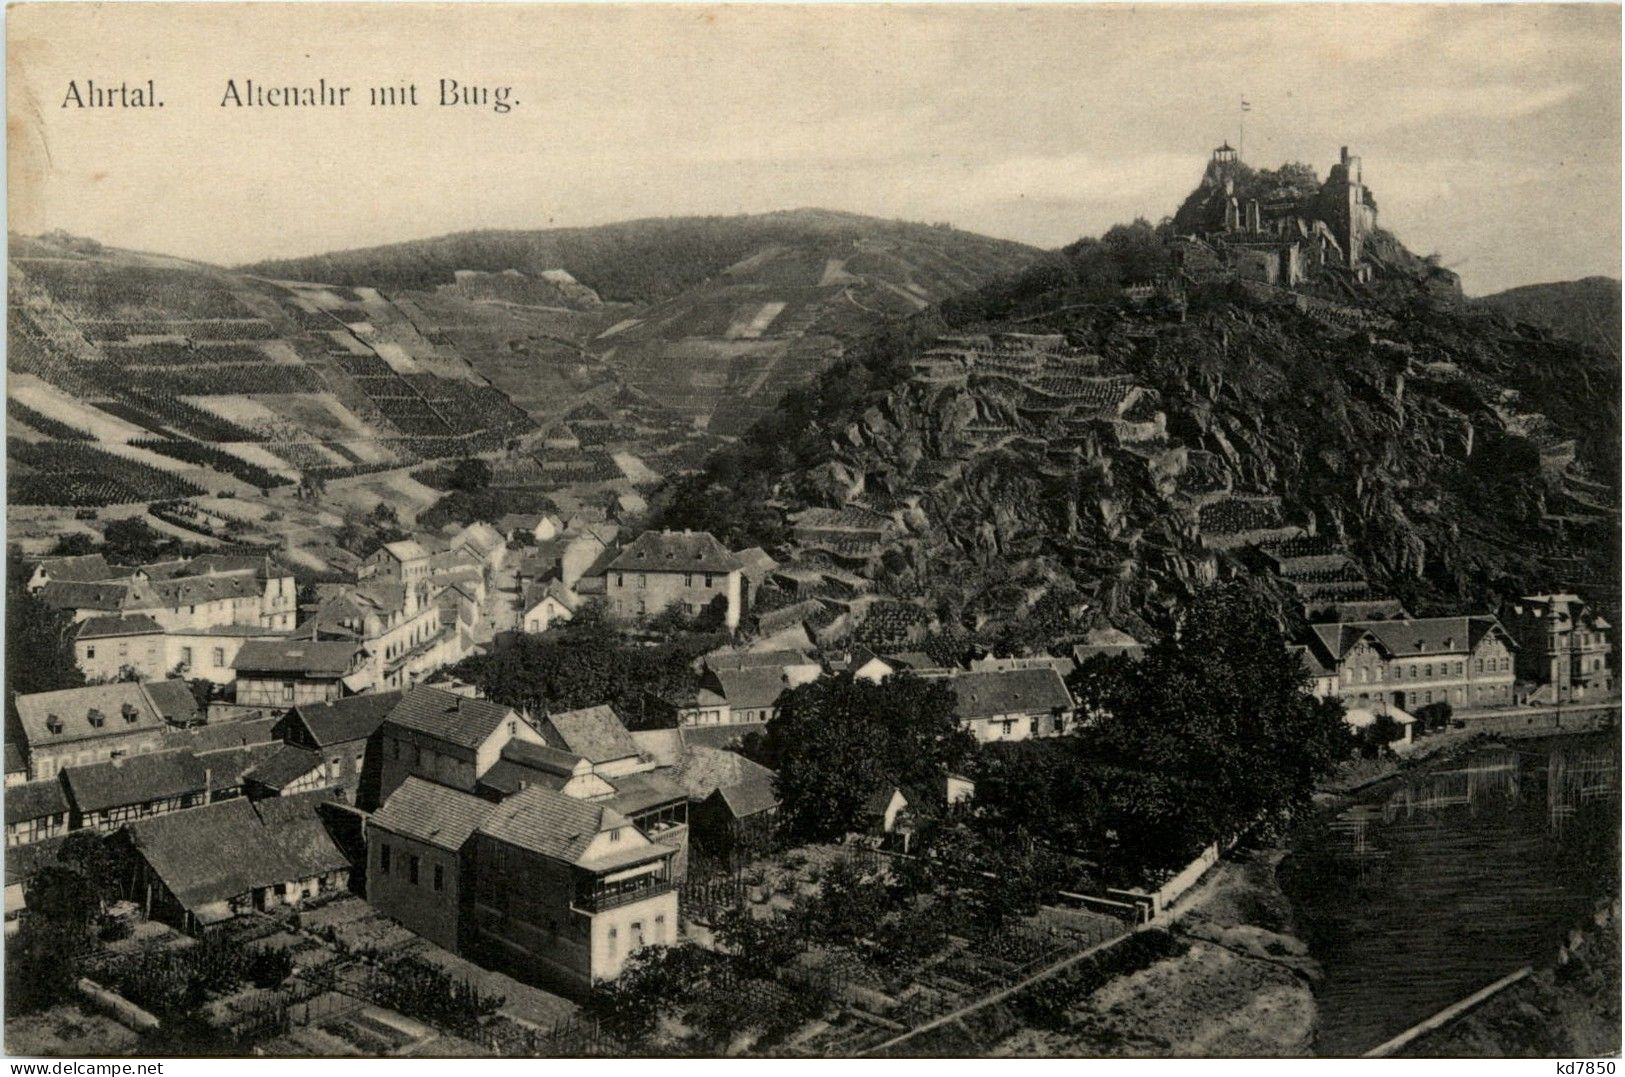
(751, 688)
(554, 589)
(731, 659)
(664, 746)
(86, 568)
(1011, 691)
(34, 800)
(675, 551)
(138, 624)
(756, 562)
(432, 813)
(135, 779)
(348, 719)
(1412, 636)
(76, 595)
(218, 736)
(195, 590)
(288, 765)
(174, 700)
(403, 551)
(74, 711)
(594, 733)
(315, 658)
(545, 758)
(227, 766)
(702, 771)
(447, 716)
(749, 798)
(215, 853)
(1311, 660)
(15, 763)
(262, 566)
(644, 790)
(562, 828)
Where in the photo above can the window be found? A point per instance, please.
(643, 579)
(636, 934)
(439, 877)
(1479, 666)
(620, 579)
(615, 835)
(1009, 725)
(708, 579)
(219, 657)
(613, 942)
(412, 870)
(688, 579)
(383, 858)
(1427, 671)
(90, 652)
(287, 691)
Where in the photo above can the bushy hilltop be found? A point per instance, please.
(1586, 310)
(1108, 430)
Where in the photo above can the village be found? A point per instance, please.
(300, 770)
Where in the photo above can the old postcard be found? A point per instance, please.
(818, 531)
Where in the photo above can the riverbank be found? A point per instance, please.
(1570, 1009)
(1243, 987)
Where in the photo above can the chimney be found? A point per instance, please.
(1345, 155)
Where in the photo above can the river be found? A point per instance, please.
(1440, 882)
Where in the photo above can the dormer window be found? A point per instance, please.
(97, 718)
(615, 835)
(129, 712)
(53, 724)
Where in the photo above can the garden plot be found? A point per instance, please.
(636, 471)
(53, 403)
(68, 1031)
(318, 415)
(248, 413)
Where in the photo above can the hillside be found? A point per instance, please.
(1122, 422)
(1585, 310)
(718, 316)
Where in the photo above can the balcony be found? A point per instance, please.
(607, 896)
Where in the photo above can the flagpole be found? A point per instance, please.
(1241, 149)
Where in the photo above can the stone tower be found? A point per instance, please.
(1347, 208)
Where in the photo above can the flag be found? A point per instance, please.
(1246, 106)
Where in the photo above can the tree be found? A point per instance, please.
(470, 474)
(838, 739)
(1216, 722)
(39, 641)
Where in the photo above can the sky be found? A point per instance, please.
(1490, 135)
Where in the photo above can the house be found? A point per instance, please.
(289, 771)
(733, 801)
(545, 605)
(537, 527)
(1413, 662)
(481, 542)
(88, 568)
(1359, 718)
(199, 868)
(16, 764)
(1322, 673)
(597, 735)
(564, 890)
(210, 653)
(399, 627)
(523, 764)
(689, 569)
(35, 811)
(287, 673)
(865, 665)
(79, 726)
(415, 857)
(228, 768)
(958, 789)
(341, 732)
(750, 695)
(1563, 647)
(883, 808)
(993, 664)
(105, 646)
(1110, 642)
(405, 563)
(105, 796)
(796, 666)
(1011, 704)
(446, 738)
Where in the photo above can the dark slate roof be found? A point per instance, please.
(1312, 662)
(84, 568)
(137, 624)
(1413, 636)
(226, 766)
(351, 718)
(34, 800)
(74, 595)
(552, 824)
(135, 779)
(720, 736)
(194, 590)
(433, 814)
(315, 657)
(727, 659)
(751, 688)
(288, 765)
(664, 746)
(675, 551)
(174, 700)
(216, 736)
(749, 797)
(72, 708)
(644, 790)
(1011, 691)
(705, 770)
(15, 763)
(593, 733)
(448, 716)
(215, 853)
